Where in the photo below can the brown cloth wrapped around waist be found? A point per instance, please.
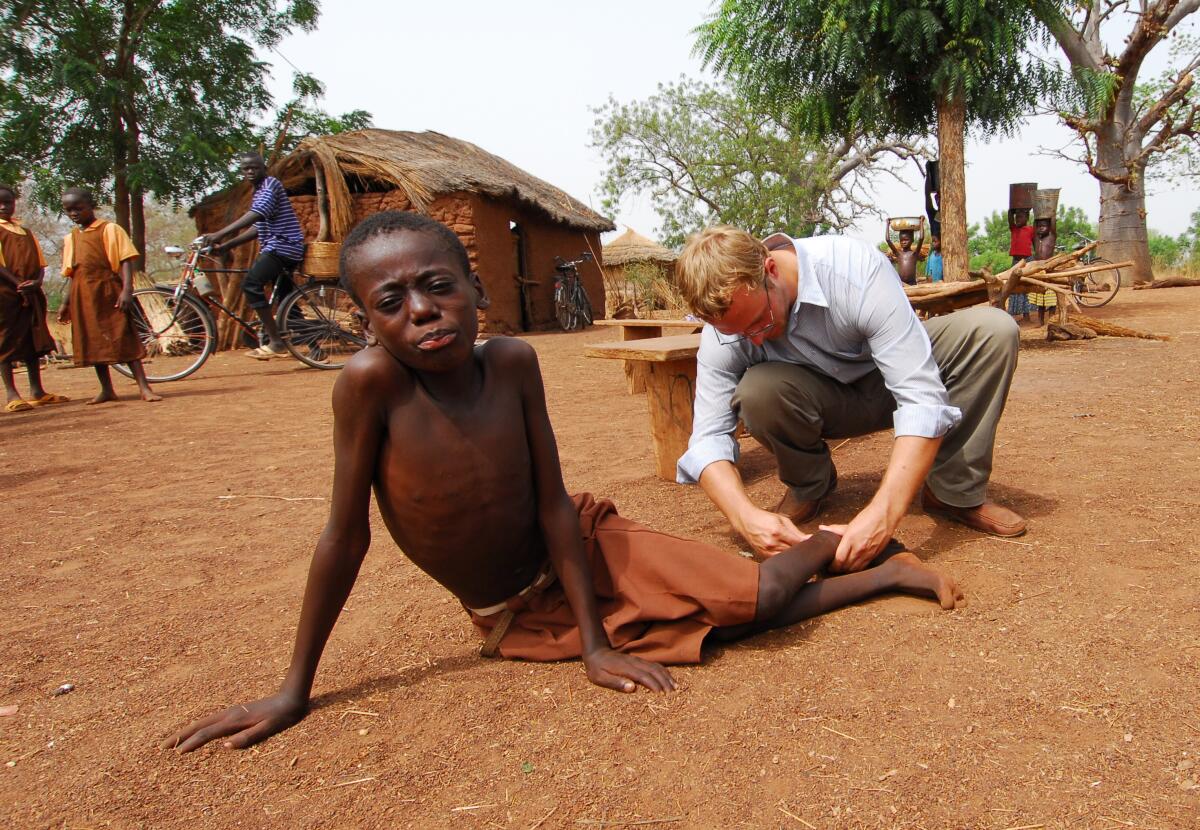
(544, 579)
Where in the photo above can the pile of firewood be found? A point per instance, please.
(1055, 274)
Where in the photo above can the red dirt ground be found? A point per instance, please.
(1063, 696)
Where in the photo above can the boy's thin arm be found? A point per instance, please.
(358, 431)
(564, 542)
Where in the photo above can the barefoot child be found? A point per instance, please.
(906, 256)
(456, 442)
(1045, 240)
(1020, 246)
(23, 332)
(98, 257)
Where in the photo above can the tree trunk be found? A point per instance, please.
(1123, 223)
(952, 207)
(120, 181)
(137, 197)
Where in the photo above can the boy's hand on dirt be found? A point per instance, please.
(862, 539)
(125, 300)
(624, 672)
(770, 533)
(242, 725)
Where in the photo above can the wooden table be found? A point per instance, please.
(669, 370)
(636, 329)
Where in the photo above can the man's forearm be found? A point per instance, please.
(240, 239)
(247, 218)
(722, 483)
(911, 460)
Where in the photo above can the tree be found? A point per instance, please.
(707, 156)
(888, 67)
(134, 97)
(1123, 126)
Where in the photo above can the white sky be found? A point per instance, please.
(520, 79)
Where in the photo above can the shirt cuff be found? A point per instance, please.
(704, 452)
(926, 420)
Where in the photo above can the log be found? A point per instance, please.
(1067, 274)
(1067, 256)
(1107, 329)
(1170, 282)
(1068, 331)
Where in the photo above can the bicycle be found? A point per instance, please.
(571, 305)
(178, 328)
(1099, 287)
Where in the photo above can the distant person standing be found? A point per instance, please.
(1020, 247)
(906, 256)
(933, 266)
(273, 222)
(1046, 238)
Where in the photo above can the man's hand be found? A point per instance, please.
(125, 300)
(768, 533)
(862, 540)
(624, 672)
(247, 724)
(28, 286)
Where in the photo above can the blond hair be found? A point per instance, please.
(714, 264)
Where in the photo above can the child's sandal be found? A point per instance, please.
(48, 398)
(17, 406)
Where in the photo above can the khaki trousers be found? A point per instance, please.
(792, 409)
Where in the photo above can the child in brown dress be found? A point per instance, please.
(98, 258)
(455, 440)
(23, 333)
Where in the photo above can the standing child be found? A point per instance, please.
(456, 442)
(1020, 247)
(23, 332)
(98, 258)
(1046, 238)
(906, 257)
(933, 266)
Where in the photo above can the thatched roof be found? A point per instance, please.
(631, 246)
(423, 165)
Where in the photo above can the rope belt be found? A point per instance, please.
(491, 646)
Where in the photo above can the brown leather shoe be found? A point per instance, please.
(989, 517)
(803, 510)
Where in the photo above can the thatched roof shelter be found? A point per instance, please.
(422, 165)
(631, 246)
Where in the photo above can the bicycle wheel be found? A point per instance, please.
(564, 309)
(1099, 287)
(320, 326)
(583, 304)
(177, 334)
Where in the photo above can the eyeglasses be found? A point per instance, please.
(731, 339)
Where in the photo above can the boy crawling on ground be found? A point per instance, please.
(457, 443)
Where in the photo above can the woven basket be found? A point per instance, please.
(906, 223)
(321, 259)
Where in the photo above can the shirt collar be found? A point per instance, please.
(14, 225)
(97, 223)
(808, 289)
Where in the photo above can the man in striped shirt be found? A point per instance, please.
(273, 222)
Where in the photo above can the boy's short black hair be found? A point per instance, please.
(251, 154)
(82, 193)
(394, 221)
(10, 189)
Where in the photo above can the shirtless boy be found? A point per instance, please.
(906, 256)
(456, 442)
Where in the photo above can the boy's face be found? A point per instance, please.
(1043, 227)
(8, 204)
(936, 243)
(253, 169)
(79, 209)
(906, 239)
(417, 301)
(1021, 218)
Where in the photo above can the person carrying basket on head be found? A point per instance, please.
(273, 222)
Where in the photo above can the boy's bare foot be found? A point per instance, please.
(150, 397)
(104, 397)
(913, 576)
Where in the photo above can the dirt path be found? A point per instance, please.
(143, 565)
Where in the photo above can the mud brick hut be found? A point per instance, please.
(512, 224)
(631, 264)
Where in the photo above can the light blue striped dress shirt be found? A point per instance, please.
(850, 317)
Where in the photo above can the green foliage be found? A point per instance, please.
(988, 244)
(1166, 251)
(882, 66)
(153, 95)
(706, 156)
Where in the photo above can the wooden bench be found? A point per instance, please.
(669, 370)
(634, 329)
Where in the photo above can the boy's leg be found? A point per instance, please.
(139, 374)
(786, 596)
(10, 386)
(266, 269)
(107, 393)
(791, 409)
(976, 352)
(34, 367)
